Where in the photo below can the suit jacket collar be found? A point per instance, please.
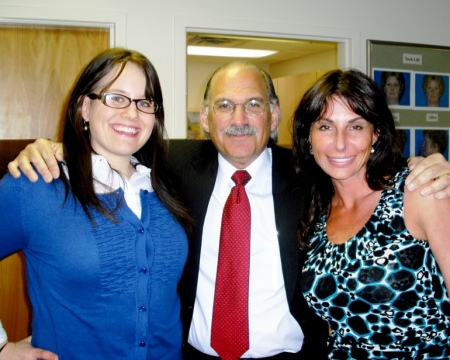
(206, 164)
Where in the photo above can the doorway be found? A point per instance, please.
(294, 66)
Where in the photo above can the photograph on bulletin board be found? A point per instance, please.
(432, 90)
(395, 84)
(430, 141)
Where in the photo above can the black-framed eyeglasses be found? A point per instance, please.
(119, 101)
(252, 107)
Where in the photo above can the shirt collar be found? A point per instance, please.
(260, 170)
(107, 180)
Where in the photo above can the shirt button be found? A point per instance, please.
(141, 230)
(142, 309)
(142, 344)
(143, 270)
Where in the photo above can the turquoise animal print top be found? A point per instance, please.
(381, 291)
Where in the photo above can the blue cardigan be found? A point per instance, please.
(104, 293)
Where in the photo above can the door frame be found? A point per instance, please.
(114, 21)
(348, 40)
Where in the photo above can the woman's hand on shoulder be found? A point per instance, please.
(44, 155)
(434, 167)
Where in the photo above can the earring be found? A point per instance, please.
(85, 125)
(310, 150)
(372, 150)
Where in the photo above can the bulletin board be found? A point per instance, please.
(421, 73)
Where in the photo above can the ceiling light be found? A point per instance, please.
(227, 52)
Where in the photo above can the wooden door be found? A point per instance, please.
(39, 65)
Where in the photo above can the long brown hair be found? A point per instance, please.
(77, 144)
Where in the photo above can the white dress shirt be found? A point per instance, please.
(106, 180)
(272, 327)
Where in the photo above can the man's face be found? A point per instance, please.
(239, 85)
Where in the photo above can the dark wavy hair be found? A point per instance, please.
(367, 100)
(77, 144)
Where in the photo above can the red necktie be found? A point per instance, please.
(229, 332)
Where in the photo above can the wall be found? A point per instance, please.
(324, 60)
(157, 28)
(198, 75)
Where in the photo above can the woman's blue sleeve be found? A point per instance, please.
(12, 201)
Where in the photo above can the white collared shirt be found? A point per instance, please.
(272, 328)
(106, 180)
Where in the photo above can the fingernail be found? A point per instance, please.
(425, 192)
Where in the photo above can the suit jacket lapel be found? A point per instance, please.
(288, 206)
(205, 167)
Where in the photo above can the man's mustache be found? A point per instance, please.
(239, 130)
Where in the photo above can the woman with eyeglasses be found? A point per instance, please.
(105, 244)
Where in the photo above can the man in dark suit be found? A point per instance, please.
(196, 178)
(240, 137)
